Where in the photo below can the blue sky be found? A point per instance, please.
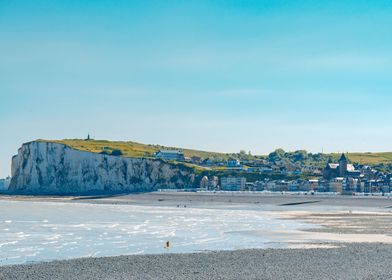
(214, 75)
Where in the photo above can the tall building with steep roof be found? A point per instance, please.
(340, 169)
(343, 162)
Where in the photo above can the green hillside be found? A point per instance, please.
(129, 148)
(369, 158)
(134, 149)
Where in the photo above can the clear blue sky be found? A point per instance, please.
(215, 75)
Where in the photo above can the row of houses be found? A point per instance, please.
(340, 177)
(337, 185)
(250, 166)
(342, 168)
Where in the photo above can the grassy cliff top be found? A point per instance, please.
(134, 149)
(369, 158)
(129, 148)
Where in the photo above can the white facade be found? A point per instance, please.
(170, 155)
(233, 183)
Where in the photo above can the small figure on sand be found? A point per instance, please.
(178, 205)
(167, 245)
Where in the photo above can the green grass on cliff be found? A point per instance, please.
(129, 148)
(369, 158)
(134, 149)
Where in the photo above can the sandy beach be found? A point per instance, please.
(206, 198)
(355, 233)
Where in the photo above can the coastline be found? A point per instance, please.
(346, 225)
(205, 198)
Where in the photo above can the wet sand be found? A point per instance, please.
(284, 201)
(347, 222)
(174, 198)
(346, 226)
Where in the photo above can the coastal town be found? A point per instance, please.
(277, 173)
(280, 171)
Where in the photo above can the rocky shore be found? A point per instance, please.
(344, 261)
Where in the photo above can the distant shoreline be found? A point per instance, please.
(173, 198)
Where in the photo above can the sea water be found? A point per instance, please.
(43, 231)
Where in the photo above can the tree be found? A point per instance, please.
(117, 153)
(300, 155)
(277, 155)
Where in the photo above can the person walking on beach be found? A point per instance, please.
(167, 245)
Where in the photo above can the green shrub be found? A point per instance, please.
(117, 153)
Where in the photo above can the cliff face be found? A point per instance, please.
(45, 167)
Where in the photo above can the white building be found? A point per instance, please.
(233, 183)
(170, 155)
(233, 163)
(336, 185)
(214, 182)
(204, 183)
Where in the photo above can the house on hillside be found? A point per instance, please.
(170, 155)
(233, 163)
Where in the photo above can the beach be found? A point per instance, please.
(347, 261)
(347, 238)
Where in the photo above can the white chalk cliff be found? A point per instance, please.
(46, 167)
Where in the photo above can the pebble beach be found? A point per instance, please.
(346, 261)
